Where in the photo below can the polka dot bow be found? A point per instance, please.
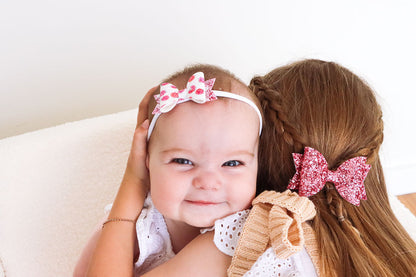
(312, 173)
(197, 90)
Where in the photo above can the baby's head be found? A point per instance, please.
(203, 156)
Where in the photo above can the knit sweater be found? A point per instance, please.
(277, 220)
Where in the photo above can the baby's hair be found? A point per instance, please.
(224, 81)
(327, 107)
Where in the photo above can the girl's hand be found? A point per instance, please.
(135, 183)
(144, 107)
(136, 170)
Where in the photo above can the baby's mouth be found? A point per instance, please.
(202, 202)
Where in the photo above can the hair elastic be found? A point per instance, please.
(199, 91)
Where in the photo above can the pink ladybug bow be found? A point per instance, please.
(197, 90)
(312, 173)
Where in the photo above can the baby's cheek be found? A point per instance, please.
(164, 199)
(248, 201)
(249, 195)
(160, 201)
(242, 199)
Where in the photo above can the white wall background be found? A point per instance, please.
(62, 61)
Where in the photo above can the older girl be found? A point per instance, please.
(323, 131)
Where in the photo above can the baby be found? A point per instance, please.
(202, 160)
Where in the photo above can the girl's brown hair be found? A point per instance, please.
(325, 106)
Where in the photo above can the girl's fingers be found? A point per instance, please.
(136, 166)
(142, 170)
(140, 140)
(144, 107)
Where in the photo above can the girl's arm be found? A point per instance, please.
(111, 250)
(114, 251)
(199, 258)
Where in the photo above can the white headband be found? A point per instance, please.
(197, 90)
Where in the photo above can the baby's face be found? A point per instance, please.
(203, 161)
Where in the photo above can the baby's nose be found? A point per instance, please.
(207, 180)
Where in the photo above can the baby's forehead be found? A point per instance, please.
(191, 125)
(217, 114)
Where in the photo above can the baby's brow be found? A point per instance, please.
(241, 152)
(175, 150)
(232, 153)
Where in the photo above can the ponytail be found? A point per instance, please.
(325, 106)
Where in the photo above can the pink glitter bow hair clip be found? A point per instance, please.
(312, 173)
(197, 90)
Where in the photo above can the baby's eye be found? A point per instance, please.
(232, 163)
(181, 161)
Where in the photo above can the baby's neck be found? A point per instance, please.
(181, 234)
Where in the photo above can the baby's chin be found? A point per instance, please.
(201, 223)
(208, 222)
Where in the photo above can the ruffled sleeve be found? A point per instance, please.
(228, 231)
(154, 241)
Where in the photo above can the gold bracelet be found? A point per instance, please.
(116, 219)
